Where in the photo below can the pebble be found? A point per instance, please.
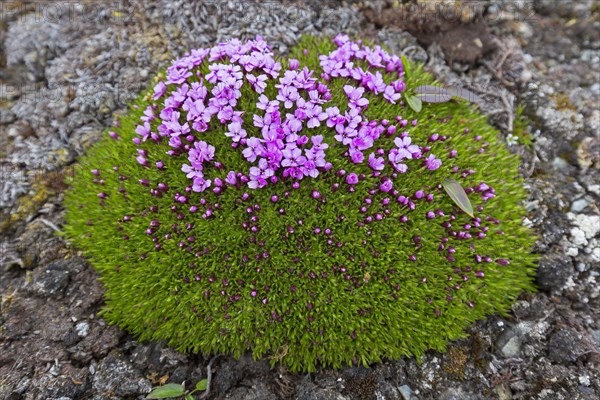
(51, 281)
(578, 237)
(503, 392)
(407, 393)
(559, 163)
(554, 270)
(82, 329)
(589, 224)
(21, 129)
(566, 346)
(6, 116)
(596, 336)
(579, 205)
(115, 374)
(510, 341)
(455, 394)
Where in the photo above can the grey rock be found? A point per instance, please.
(564, 9)
(106, 396)
(566, 346)
(455, 394)
(407, 393)
(31, 44)
(554, 270)
(172, 358)
(512, 346)
(258, 391)
(146, 355)
(70, 338)
(230, 372)
(20, 129)
(562, 124)
(63, 386)
(588, 224)
(6, 116)
(116, 375)
(586, 391)
(388, 391)
(309, 391)
(511, 340)
(180, 374)
(579, 205)
(503, 392)
(51, 281)
(82, 328)
(596, 336)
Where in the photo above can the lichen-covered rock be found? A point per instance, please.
(116, 376)
(296, 208)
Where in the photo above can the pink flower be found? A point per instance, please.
(376, 163)
(432, 163)
(355, 96)
(352, 179)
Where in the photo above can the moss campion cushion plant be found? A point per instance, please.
(295, 208)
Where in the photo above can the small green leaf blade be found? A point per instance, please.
(414, 102)
(189, 397)
(166, 391)
(201, 385)
(458, 195)
(405, 66)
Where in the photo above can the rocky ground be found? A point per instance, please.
(67, 69)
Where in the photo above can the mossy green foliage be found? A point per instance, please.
(353, 296)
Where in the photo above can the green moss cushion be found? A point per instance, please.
(295, 209)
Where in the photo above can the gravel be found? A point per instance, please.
(71, 68)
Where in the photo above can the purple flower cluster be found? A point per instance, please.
(276, 143)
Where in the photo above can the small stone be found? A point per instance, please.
(407, 393)
(584, 380)
(510, 341)
(503, 392)
(455, 394)
(6, 116)
(50, 281)
(20, 129)
(567, 345)
(115, 374)
(559, 164)
(554, 270)
(579, 205)
(82, 329)
(512, 347)
(578, 237)
(589, 224)
(572, 252)
(587, 151)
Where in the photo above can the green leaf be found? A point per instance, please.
(458, 195)
(166, 391)
(405, 66)
(201, 385)
(189, 397)
(414, 102)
